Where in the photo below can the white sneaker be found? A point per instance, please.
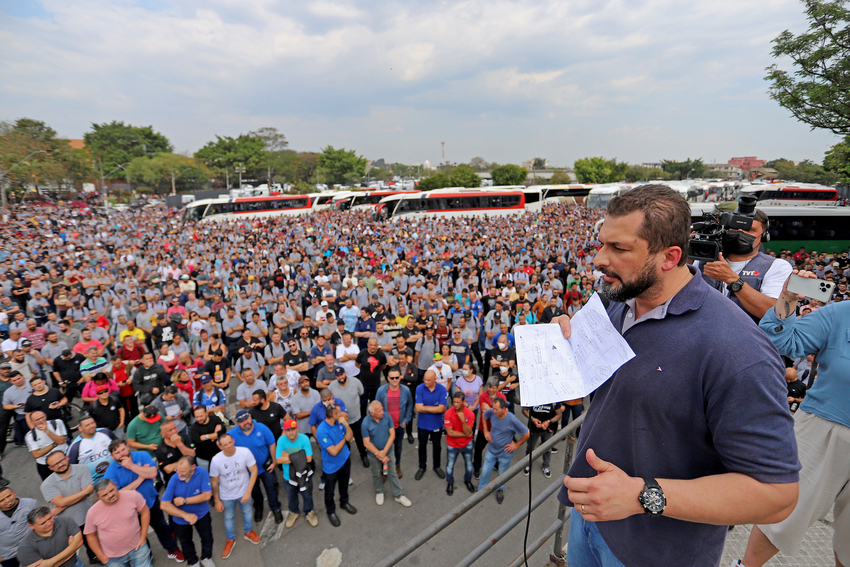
(737, 563)
(207, 563)
(379, 498)
(404, 501)
(321, 486)
(350, 482)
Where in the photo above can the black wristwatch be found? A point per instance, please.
(736, 286)
(652, 498)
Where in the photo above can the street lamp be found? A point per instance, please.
(3, 175)
(688, 174)
(240, 169)
(102, 177)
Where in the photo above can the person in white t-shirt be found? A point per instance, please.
(346, 355)
(233, 473)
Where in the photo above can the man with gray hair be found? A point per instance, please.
(378, 437)
(117, 526)
(52, 541)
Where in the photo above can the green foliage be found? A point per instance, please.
(379, 173)
(641, 173)
(538, 163)
(818, 91)
(479, 164)
(803, 172)
(341, 166)
(837, 161)
(436, 181)
(225, 153)
(174, 171)
(117, 143)
(561, 177)
(688, 169)
(464, 176)
(302, 188)
(509, 174)
(35, 129)
(599, 170)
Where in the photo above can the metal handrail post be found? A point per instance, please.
(558, 548)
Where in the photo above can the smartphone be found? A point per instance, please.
(811, 287)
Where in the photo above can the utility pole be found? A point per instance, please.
(240, 169)
(444, 152)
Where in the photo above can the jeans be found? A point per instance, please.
(230, 517)
(21, 429)
(452, 454)
(541, 436)
(575, 412)
(377, 482)
(586, 546)
(137, 558)
(358, 437)
(412, 388)
(369, 393)
(340, 478)
(162, 529)
(292, 493)
(269, 481)
(398, 444)
(491, 460)
(6, 418)
(480, 445)
(203, 463)
(424, 436)
(184, 535)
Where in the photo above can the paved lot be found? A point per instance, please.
(375, 531)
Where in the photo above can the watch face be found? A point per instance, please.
(654, 501)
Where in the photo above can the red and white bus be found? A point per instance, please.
(793, 194)
(363, 199)
(450, 203)
(225, 208)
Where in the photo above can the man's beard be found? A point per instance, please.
(645, 279)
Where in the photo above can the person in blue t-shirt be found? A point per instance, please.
(317, 414)
(430, 406)
(136, 471)
(259, 440)
(500, 426)
(292, 442)
(333, 436)
(186, 499)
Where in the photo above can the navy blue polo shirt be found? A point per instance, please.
(318, 413)
(198, 483)
(257, 442)
(424, 396)
(328, 435)
(705, 394)
(367, 325)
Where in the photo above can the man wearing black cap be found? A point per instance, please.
(259, 440)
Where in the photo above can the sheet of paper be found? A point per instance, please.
(553, 369)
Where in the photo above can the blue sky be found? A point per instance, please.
(641, 81)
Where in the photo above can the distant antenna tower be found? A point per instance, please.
(444, 152)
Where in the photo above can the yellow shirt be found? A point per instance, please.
(136, 333)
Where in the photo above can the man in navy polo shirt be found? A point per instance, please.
(333, 436)
(430, 405)
(259, 440)
(693, 433)
(136, 471)
(186, 499)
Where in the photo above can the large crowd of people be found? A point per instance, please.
(214, 363)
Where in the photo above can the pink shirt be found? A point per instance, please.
(117, 526)
(90, 389)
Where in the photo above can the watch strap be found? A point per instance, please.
(736, 286)
(651, 483)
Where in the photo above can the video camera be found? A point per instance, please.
(706, 243)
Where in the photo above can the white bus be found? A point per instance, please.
(600, 195)
(363, 199)
(225, 208)
(793, 194)
(573, 193)
(459, 202)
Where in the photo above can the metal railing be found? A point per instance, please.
(556, 528)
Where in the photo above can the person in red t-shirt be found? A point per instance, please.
(193, 366)
(485, 402)
(459, 422)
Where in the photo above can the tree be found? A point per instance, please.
(35, 129)
(684, 169)
(463, 176)
(478, 164)
(538, 163)
(174, 170)
(561, 177)
(341, 165)
(509, 174)
(641, 173)
(818, 92)
(117, 143)
(436, 181)
(307, 164)
(837, 161)
(225, 153)
(599, 170)
(274, 141)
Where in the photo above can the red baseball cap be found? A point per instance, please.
(290, 424)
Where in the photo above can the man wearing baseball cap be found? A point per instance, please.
(143, 431)
(259, 440)
(295, 453)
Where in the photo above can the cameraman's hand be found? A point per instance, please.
(720, 270)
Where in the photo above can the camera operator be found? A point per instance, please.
(751, 279)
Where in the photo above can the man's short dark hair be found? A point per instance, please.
(500, 402)
(37, 514)
(116, 443)
(667, 216)
(458, 395)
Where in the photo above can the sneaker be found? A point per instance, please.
(526, 471)
(177, 556)
(547, 473)
(252, 537)
(737, 563)
(350, 482)
(228, 548)
(290, 520)
(404, 501)
(379, 499)
(553, 450)
(312, 519)
(207, 563)
(321, 486)
(476, 474)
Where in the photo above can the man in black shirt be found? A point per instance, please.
(66, 368)
(172, 448)
(107, 410)
(542, 421)
(164, 331)
(370, 362)
(204, 433)
(268, 413)
(44, 399)
(295, 359)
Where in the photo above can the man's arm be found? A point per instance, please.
(74, 543)
(94, 544)
(612, 495)
(422, 408)
(754, 302)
